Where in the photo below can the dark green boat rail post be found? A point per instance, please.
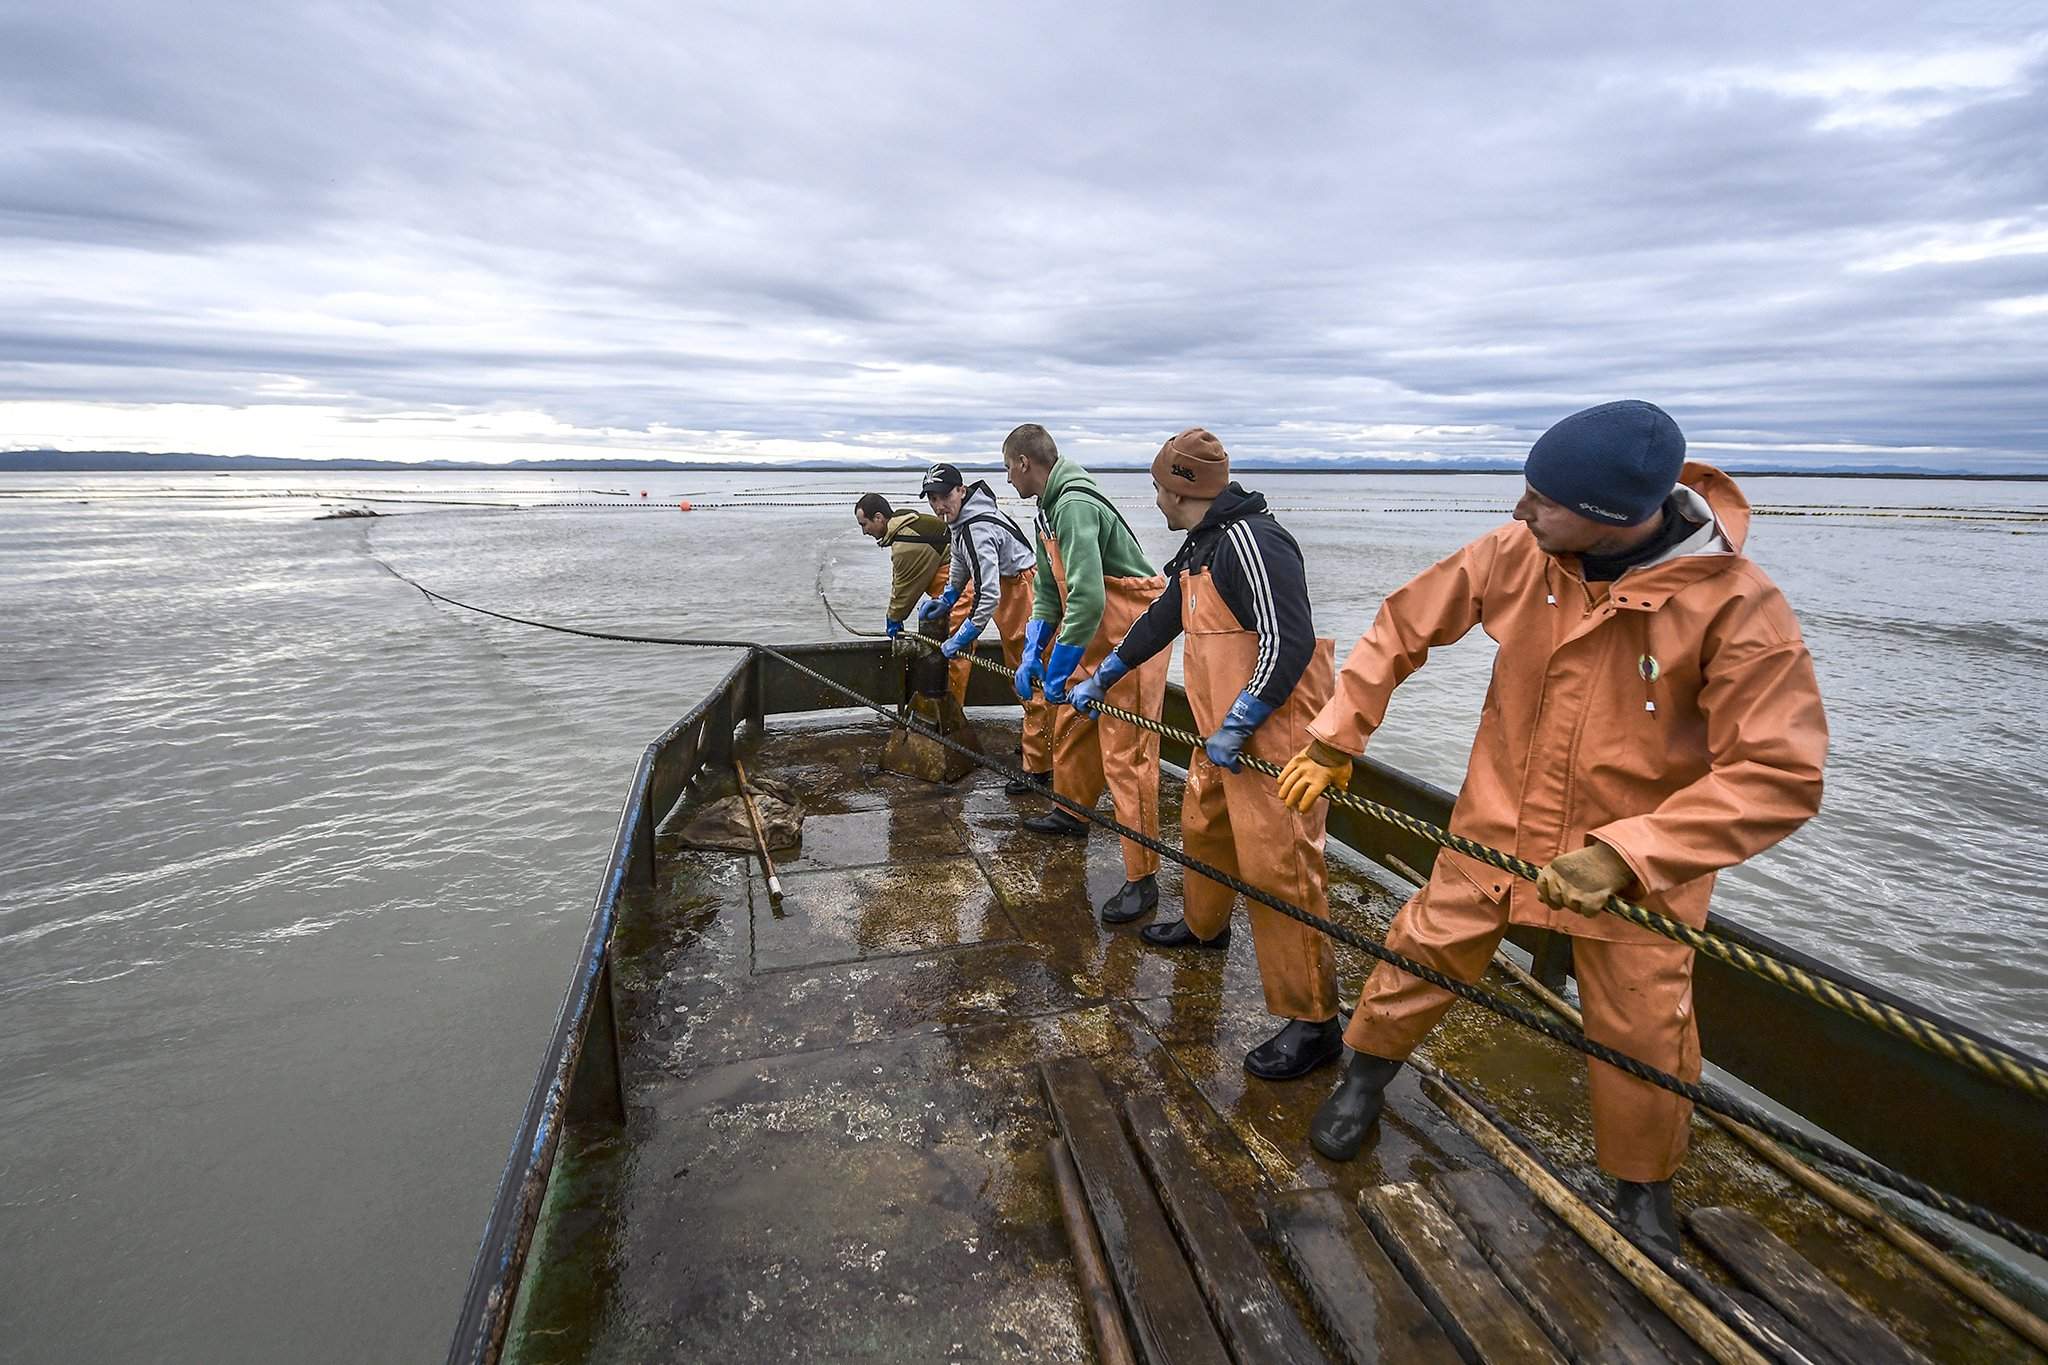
(1943, 1122)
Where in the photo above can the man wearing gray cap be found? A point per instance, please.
(1653, 718)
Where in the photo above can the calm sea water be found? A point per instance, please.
(293, 862)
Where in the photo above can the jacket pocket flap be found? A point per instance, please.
(1489, 883)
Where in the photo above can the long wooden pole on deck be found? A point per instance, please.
(1714, 1336)
(2024, 1323)
(1840, 1197)
(760, 838)
(1111, 1342)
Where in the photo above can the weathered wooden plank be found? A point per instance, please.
(1256, 1318)
(1169, 1324)
(1477, 1312)
(1366, 1307)
(1788, 1282)
(1588, 1310)
(1112, 1342)
(1808, 1351)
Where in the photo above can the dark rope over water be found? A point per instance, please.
(1705, 1096)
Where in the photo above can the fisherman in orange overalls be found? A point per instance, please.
(1653, 717)
(1257, 673)
(996, 567)
(1093, 581)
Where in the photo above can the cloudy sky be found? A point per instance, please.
(1817, 232)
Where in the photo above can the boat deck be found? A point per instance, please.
(837, 1109)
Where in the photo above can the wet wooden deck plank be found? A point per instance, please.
(1232, 1275)
(1590, 1311)
(1369, 1311)
(1170, 1324)
(1481, 1317)
(1771, 1318)
(1788, 1282)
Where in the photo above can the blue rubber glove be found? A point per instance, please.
(1088, 692)
(1225, 748)
(1058, 668)
(939, 606)
(892, 628)
(1032, 669)
(963, 638)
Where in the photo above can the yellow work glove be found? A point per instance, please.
(1582, 880)
(1312, 772)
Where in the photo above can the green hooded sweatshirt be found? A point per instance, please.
(1095, 543)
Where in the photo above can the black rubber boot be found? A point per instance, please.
(1297, 1049)
(1133, 900)
(1057, 821)
(1644, 1211)
(1176, 934)
(1340, 1126)
(1028, 785)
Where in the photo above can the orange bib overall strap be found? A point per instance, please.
(1088, 755)
(959, 671)
(1013, 614)
(1235, 820)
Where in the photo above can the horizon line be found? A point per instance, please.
(51, 460)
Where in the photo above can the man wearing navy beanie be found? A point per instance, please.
(1653, 718)
(1614, 464)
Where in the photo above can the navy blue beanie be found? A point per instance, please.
(1615, 463)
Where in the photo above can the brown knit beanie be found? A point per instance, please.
(1193, 464)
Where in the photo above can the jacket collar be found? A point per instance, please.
(1709, 495)
(1231, 504)
(1065, 474)
(1234, 503)
(980, 498)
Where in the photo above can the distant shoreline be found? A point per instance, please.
(141, 462)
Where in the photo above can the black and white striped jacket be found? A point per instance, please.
(1256, 569)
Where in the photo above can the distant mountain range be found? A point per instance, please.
(123, 461)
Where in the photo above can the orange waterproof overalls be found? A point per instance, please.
(1013, 614)
(1089, 754)
(1672, 715)
(1235, 821)
(959, 671)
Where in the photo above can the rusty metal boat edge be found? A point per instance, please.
(1967, 1135)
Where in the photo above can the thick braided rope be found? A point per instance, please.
(1706, 1097)
(2007, 1068)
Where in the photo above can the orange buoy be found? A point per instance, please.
(683, 506)
(643, 492)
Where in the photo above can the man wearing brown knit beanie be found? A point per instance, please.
(1257, 673)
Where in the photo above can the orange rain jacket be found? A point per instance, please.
(1672, 714)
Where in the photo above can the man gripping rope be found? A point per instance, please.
(1093, 581)
(1653, 717)
(919, 555)
(994, 563)
(1256, 674)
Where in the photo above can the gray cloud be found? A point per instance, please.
(1335, 232)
